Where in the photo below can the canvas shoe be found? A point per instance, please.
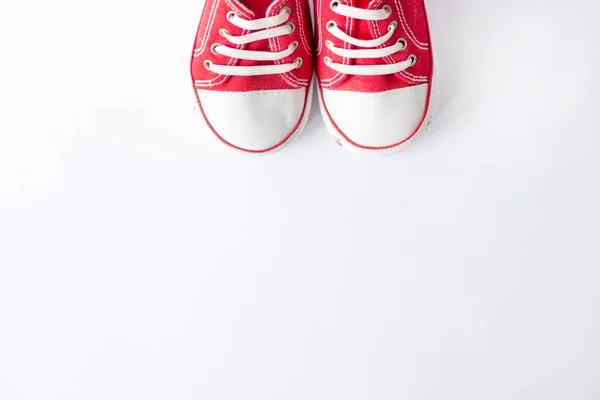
(252, 71)
(375, 71)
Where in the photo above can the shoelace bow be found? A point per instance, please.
(370, 48)
(263, 28)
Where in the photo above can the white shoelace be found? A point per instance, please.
(263, 28)
(372, 50)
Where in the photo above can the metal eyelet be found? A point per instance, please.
(392, 26)
(224, 32)
(207, 64)
(327, 60)
(333, 5)
(413, 59)
(328, 44)
(230, 15)
(388, 9)
(298, 62)
(292, 25)
(213, 49)
(286, 10)
(330, 25)
(293, 45)
(403, 42)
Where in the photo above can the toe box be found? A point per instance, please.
(377, 120)
(256, 121)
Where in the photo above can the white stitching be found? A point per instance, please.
(292, 79)
(211, 19)
(290, 74)
(240, 9)
(302, 27)
(209, 82)
(336, 78)
(413, 38)
(390, 60)
(319, 31)
(414, 77)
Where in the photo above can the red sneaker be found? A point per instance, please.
(375, 71)
(252, 71)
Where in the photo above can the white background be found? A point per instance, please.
(140, 259)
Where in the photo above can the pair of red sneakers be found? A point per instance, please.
(253, 64)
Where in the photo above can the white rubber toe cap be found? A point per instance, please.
(253, 121)
(377, 120)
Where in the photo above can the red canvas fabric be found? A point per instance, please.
(412, 26)
(214, 18)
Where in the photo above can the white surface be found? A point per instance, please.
(257, 120)
(377, 119)
(140, 259)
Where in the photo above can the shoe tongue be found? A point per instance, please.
(363, 29)
(260, 8)
(366, 4)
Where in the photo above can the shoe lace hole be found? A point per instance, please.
(331, 25)
(213, 49)
(286, 10)
(392, 26)
(224, 32)
(413, 59)
(333, 5)
(327, 60)
(230, 15)
(292, 26)
(294, 45)
(388, 9)
(329, 44)
(207, 64)
(298, 62)
(403, 42)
